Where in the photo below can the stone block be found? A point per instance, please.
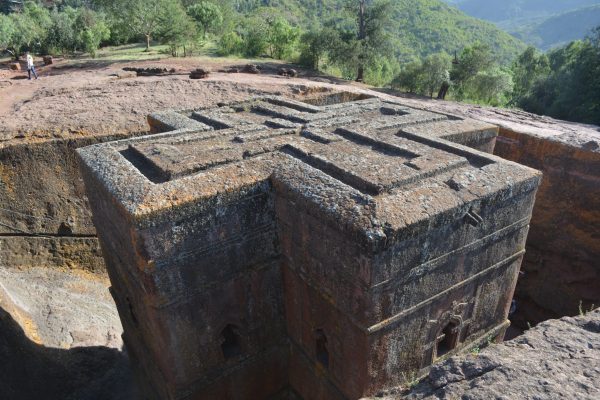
(362, 237)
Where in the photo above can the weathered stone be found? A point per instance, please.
(561, 271)
(287, 72)
(150, 71)
(251, 69)
(271, 243)
(45, 219)
(199, 73)
(561, 268)
(558, 359)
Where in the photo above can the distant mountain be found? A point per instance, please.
(502, 10)
(541, 23)
(560, 29)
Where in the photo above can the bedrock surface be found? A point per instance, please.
(558, 359)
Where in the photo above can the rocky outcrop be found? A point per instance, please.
(45, 219)
(558, 359)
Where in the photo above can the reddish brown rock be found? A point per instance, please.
(272, 244)
(199, 73)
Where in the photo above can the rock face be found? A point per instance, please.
(561, 270)
(558, 359)
(45, 219)
(268, 244)
(60, 337)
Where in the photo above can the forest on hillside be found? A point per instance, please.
(424, 47)
(544, 24)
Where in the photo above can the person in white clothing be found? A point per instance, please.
(30, 66)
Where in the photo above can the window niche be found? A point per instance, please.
(322, 352)
(230, 342)
(448, 339)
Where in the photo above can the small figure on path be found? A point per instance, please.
(30, 66)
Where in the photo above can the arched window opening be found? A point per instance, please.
(447, 340)
(321, 348)
(230, 342)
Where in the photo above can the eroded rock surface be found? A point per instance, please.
(60, 337)
(558, 359)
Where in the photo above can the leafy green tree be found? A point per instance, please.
(371, 38)
(90, 30)
(61, 35)
(230, 43)
(207, 14)
(254, 36)
(493, 86)
(472, 60)
(7, 31)
(281, 37)
(315, 45)
(435, 72)
(410, 77)
(178, 29)
(27, 30)
(529, 68)
(142, 17)
(381, 71)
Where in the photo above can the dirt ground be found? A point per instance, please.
(74, 99)
(95, 98)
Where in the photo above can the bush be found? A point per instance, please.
(230, 43)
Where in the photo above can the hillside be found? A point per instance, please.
(419, 27)
(561, 29)
(502, 10)
(541, 23)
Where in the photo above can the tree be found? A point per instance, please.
(410, 77)
(435, 72)
(372, 18)
(7, 30)
(90, 30)
(529, 68)
(492, 86)
(208, 15)
(472, 60)
(254, 36)
(142, 17)
(26, 30)
(281, 37)
(315, 44)
(178, 29)
(61, 36)
(230, 43)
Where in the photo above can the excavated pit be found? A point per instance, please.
(45, 218)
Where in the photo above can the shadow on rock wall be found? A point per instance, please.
(32, 371)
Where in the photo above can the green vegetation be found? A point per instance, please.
(545, 24)
(473, 76)
(560, 29)
(565, 83)
(392, 31)
(425, 46)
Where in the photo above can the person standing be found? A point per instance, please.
(30, 66)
